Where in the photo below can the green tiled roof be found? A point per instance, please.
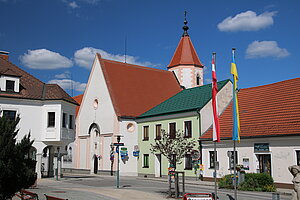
(186, 100)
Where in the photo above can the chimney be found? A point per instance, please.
(4, 55)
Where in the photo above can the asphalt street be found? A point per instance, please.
(81, 187)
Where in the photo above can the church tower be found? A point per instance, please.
(185, 62)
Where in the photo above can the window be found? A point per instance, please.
(212, 159)
(146, 133)
(146, 161)
(298, 157)
(64, 120)
(188, 161)
(10, 114)
(231, 159)
(158, 131)
(172, 130)
(198, 79)
(71, 122)
(188, 129)
(51, 119)
(10, 86)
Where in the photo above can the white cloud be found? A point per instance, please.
(45, 59)
(68, 84)
(84, 57)
(262, 49)
(73, 4)
(66, 74)
(247, 21)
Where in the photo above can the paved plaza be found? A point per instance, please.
(92, 187)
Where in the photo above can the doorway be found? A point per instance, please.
(157, 165)
(264, 163)
(95, 164)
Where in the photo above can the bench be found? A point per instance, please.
(48, 197)
(25, 194)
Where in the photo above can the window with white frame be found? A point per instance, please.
(51, 119)
(172, 130)
(188, 162)
(188, 129)
(71, 122)
(158, 131)
(145, 133)
(212, 159)
(10, 86)
(10, 114)
(64, 120)
(231, 158)
(146, 161)
(298, 157)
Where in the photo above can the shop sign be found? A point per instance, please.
(261, 147)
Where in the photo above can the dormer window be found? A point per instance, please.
(10, 86)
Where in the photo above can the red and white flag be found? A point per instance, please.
(216, 125)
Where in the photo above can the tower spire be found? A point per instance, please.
(185, 27)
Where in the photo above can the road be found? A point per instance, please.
(80, 187)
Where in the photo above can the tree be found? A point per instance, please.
(17, 169)
(174, 149)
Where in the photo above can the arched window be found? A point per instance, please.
(198, 79)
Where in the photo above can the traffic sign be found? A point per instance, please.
(118, 144)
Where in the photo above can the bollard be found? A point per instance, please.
(275, 196)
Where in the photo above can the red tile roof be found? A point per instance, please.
(135, 89)
(268, 110)
(185, 54)
(78, 99)
(31, 87)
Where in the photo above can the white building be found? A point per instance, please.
(45, 110)
(270, 133)
(115, 94)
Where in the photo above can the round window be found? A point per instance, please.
(95, 104)
(130, 127)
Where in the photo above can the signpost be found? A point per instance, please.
(118, 144)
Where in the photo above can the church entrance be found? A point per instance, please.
(95, 164)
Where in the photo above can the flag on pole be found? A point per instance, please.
(216, 125)
(236, 116)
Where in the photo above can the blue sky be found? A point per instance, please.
(55, 40)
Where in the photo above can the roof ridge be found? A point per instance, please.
(275, 83)
(134, 65)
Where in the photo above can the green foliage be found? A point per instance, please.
(258, 182)
(226, 182)
(17, 170)
(177, 146)
(253, 182)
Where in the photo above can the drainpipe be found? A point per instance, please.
(199, 141)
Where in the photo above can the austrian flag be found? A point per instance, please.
(216, 125)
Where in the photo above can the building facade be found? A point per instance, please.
(45, 111)
(270, 133)
(189, 112)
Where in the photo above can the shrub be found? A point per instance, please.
(253, 182)
(258, 182)
(226, 182)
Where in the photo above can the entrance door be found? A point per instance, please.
(95, 164)
(265, 163)
(157, 165)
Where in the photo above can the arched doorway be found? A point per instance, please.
(94, 132)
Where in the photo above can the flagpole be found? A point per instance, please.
(234, 170)
(234, 139)
(215, 171)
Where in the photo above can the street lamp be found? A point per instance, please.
(111, 158)
(118, 151)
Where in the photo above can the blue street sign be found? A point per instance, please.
(118, 144)
(117, 149)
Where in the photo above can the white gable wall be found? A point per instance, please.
(224, 97)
